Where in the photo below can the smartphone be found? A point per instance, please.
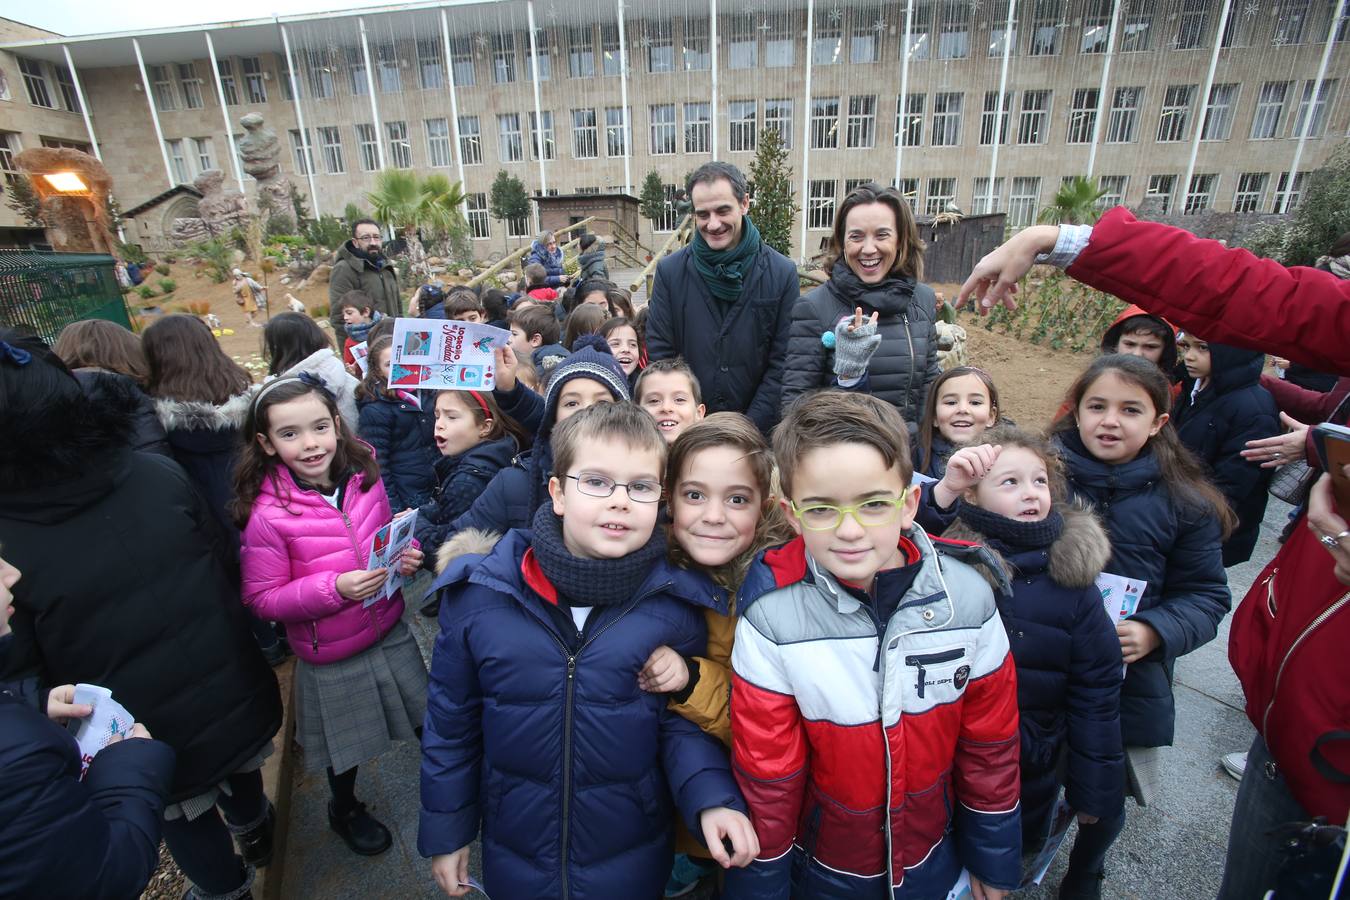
(1333, 448)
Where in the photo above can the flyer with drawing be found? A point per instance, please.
(360, 352)
(1120, 596)
(108, 720)
(1034, 872)
(386, 547)
(443, 354)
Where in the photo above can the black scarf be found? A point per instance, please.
(890, 296)
(590, 582)
(376, 259)
(1012, 535)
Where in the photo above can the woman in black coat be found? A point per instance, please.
(107, 357)
(127, 584)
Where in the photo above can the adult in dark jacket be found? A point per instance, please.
(106, 357)
(546, 252)
(877, 259)
(591, 260)
(1216, 423)
(127, 585)
(724, 303)
(361, 266)
(147, 432)
(405, 446)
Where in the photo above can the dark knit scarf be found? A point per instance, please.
(1012, 535)
(890, 296)
(360, 331)
(376, 259)
(724, 271)
(590, 582)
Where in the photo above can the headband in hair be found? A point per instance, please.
(307, 378)
(482, 404)
(17, 355)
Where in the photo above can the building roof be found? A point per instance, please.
(160, 198)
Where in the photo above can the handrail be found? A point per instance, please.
(680, 234)
(520, 252)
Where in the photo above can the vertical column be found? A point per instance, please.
(623, 98)
(1002, 90)
(806, 127)
(154, 113)
(454, 112)
(300, 120)
(903, 118)
(712, 55)
(1306, 125)
(1203, 101)
(370, 92)
(1101, 89)
(538, 113)
(224, 110)
(84, 104)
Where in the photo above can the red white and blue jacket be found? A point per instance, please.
(835, 721)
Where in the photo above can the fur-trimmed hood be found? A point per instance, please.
(197, 415)
(469, 542)
(1077, 557)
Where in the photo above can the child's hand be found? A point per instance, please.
(664, 672)
(718, 823)
(359, 584)
(1137, 639)
(451, 871)
(61, 704)
(137, 731)
(981, 891)
(410, 561)
(506, 368)
(965, 469)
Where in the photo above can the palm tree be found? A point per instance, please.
(400, 200)
(1075, 203)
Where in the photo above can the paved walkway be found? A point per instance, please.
(1174, 849)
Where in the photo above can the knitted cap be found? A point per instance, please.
(591, 359)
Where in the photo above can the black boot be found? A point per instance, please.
(359, 829)
(1078, 885)
(432, 609)
(255, 844)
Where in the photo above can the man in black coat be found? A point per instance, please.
(725, 302)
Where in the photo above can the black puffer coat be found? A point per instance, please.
(1216, 426)
(147, 434)
(903, 366)
(204, 439)
(404, 438)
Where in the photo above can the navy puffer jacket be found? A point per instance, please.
(1068, 670)
(1177, 551)
(463, 479)
(404, 438)
(552, 263)
(573, 772)
(506, 502)
(1216, 427)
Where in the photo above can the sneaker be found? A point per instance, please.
(686, 874)
(255, 844)
(360, 830)
(1234, 764)
(1081, 885)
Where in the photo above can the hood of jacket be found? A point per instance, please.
(1111, 337)
(540, 250)
(1076, 558)
(891, 296)
(324, 363)
(595, 254)
(486, 455)
(52, 503)
(466, 548)
(1231, 369)
(195, 415)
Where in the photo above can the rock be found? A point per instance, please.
(320, 274)
(951, 345)
(237, 257)
(285, 279)
(221, 209)
(435, 261)
(466, 274)
(260, 152)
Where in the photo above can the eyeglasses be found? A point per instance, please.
(603, 486)
(366, 238)
(869, 514)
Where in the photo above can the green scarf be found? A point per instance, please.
(724, 271)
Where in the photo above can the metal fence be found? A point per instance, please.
(45, 292)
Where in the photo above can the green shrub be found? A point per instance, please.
(279, 224)
(146, 291)
(131, 253)
(168, 285)
(162, 268)
(327, 232)
(319, 311)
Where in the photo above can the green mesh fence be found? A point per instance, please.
(45, 292)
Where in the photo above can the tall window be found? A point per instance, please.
(255, 86)
(202, 148)
(995, 120)
(953, 40)
(1176, 112)
(1269, 110)
(611, 64)
(864, 45)
(1122, 127)
(662, 123)
(616, 133)
(356, 72)
(741, 116)
(585, 136)
(697, 128)
(1287, 196)
(1022, 202)
(1200, 195)
(160, 85)
(480, 224)
(541, 52)
(827, 47)
(1251, 192)
(909, 120)
(1218, 124)
(998, 40)
(227, 86)
(510, 146)
(1191, 24)
(178, 161)
(742, 43)
(188, 82)
(9, 145)
(461, 61)
(399, 147)
(862, 121)
(1047, 20)
(697, 56)
(304, 154)
(669, 215)
(946, 129)
(1135, 31)
(1161, 189)
(1082, 116)
(1033, 124)
(918, 44)
(660, 46)
(319, 71)
(1312, 116)
(780, 43)
(518, 227)
(35, 82)
(778, 116)
(70, 98)
(330, 148)
(368, 147)
(581, 51)
(987, 201)
(387, 72)
(820, 204)
(824, 123)
(504, 58)
(1096, 27)
(542, 138)
(1113, 188)
(430, 64)
(941, 192)
(289, 90)
(1236, 30)
(438, 142)
(1290, 18)
(470, 141)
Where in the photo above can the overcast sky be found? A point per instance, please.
(72, 17)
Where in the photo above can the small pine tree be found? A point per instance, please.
(508, 200)
(23, 199)
(775, 208)
(653, 197)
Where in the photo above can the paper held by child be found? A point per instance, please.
(360, 353)
(108, 721)
(961, 890)
(386, 547)
(1034, 870)
(1120, 597)
(436, 354)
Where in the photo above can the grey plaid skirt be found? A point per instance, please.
(350, 711)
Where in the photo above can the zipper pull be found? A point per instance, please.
(571, 667)
(918, 684)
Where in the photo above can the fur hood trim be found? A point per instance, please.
(196, 415)
(1076, 558)
(469, 542)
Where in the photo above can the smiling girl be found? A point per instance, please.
(961, 404)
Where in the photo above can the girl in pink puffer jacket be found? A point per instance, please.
(309, 500)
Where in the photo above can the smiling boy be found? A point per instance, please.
(668, 390)
(874, 704)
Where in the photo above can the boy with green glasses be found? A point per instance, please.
(874, 704)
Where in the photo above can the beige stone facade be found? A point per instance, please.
(1139, 134)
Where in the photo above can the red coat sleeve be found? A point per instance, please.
(1224, 295)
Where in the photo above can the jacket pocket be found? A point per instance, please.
(938, 675)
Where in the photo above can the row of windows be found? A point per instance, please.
(10, 146)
